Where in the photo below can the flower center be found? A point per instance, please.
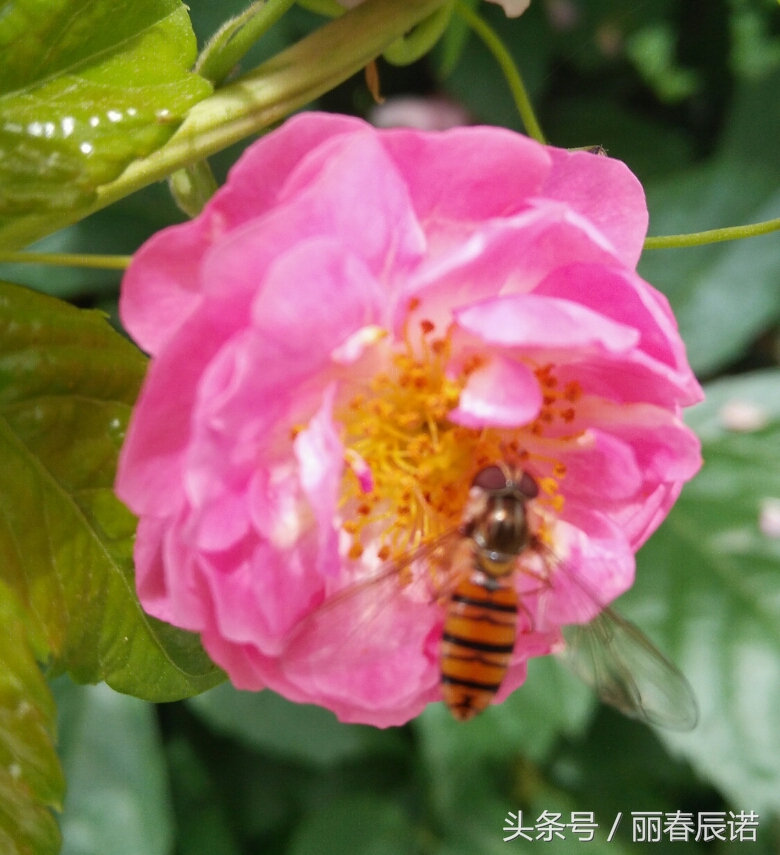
(422, 465)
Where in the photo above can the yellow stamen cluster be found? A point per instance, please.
(422, 464)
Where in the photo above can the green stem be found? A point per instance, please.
(233, 39)
(268, 94)
(507, 64)
(67, 259)
(713, 235)
(422, 38)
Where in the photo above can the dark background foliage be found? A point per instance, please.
(687, 92)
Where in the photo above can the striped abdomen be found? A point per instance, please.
(477, 643)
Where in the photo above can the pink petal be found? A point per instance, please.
(624, 296)
(640, 519)
(593, 564)
(468, 174)
(368, 234)
(149, 568)
(256, 183)
(360, 469)
(369, 665)
(258, 595)
(276, 505)
(162, 285)
(149, 473)
(220, 524)
(320, 455)
(502, 256)
(630, 378)
(161, 288)
(244, 406)
(315, 297)
(665, 448)
(503, 393)
(606, 193)
(600, 469)
(240, 661)
(528, 322)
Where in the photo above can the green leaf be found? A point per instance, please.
(87, 86)
(267, 722)
(30, 776)
(453, 42)
(67, 382)
(708, 588)
(203, 828)
(356, 824)
(288, 82)
(117, 230)
(118, 801)
(723, 295)
(619, 766)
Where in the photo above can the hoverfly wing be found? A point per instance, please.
(628, 672)
(617, 660)
(370, 620)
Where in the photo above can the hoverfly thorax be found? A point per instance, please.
(496, 520)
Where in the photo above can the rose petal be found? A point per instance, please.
(162, 285)
(467, 174)
(525, 321)
(606, 193)
(503, 393)
(320, 455)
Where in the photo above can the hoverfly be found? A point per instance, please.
(481, 559)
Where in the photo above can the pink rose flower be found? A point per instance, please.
(358, 321)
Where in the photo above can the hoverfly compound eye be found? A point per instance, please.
(491, 478)
(528, 486)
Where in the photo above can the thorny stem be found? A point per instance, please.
(511, 72)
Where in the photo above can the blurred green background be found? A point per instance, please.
(687, 93)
